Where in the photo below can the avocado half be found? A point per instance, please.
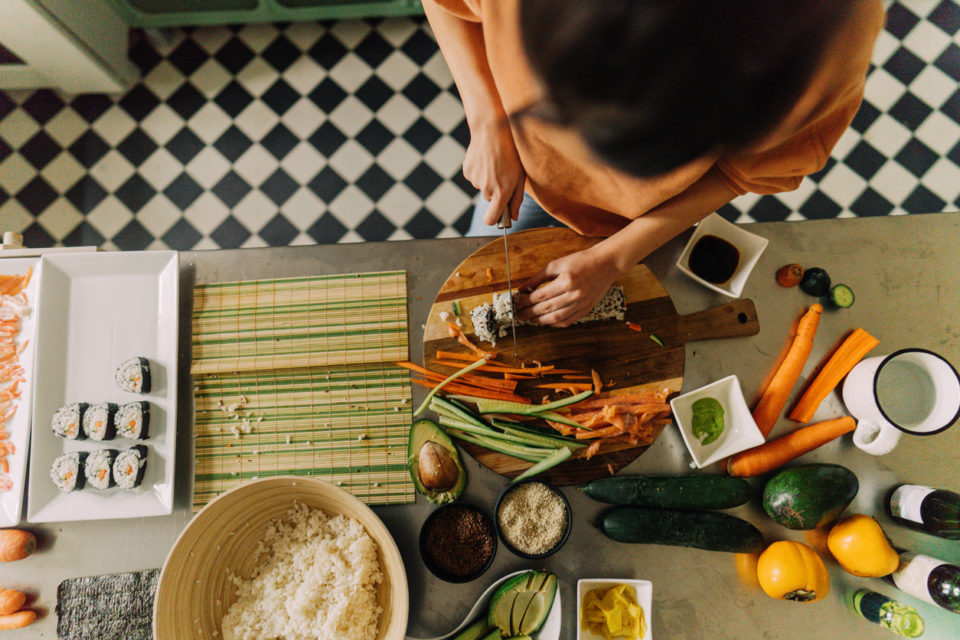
(521, 605)
(424, 432)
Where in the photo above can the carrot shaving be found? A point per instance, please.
(634, 326)
(612, 430)
(597, 382)
(455, 332)
(592, 449)
(566, 386)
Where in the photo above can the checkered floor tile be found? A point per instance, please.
(351, 131)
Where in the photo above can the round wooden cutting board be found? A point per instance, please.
(627, 360)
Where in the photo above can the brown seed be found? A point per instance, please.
(437, 468)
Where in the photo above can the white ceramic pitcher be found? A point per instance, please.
(912, 391)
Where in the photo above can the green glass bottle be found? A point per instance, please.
(889, 614)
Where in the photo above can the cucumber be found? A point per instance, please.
(672, 492)
(697, 529)
(841, 296)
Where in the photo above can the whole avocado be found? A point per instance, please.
(809, 496)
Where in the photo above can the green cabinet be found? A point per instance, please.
(168, 13)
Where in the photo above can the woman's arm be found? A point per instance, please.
(491, 163)
(577, 282)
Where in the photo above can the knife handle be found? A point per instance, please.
(505, 220)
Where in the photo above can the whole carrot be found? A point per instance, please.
(11, 601)
(776, 453)
(774, 397)
(17, 620)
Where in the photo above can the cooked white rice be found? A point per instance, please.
(318, 582)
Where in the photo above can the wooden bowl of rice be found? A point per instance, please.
(197, 588)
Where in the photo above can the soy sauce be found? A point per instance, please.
(714, 259)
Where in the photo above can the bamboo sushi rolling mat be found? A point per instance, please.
(295, 377)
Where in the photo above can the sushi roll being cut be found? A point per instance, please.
(133, 375)
(129, 467)
(98, 421)
(67, 421)
(132, 420)
(67, 471)
(98, 468)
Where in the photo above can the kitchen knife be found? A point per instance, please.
(505, 223)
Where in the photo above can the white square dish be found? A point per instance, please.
(740, 431)
(643, 588)
(12, 483)
(99, 309)
(750, 246)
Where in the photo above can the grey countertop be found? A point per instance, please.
(904, 271)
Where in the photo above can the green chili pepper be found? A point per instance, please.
(707, 420)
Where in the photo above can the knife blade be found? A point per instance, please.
(505, 223)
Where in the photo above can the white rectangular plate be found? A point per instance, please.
(11, 501)
(99, 309)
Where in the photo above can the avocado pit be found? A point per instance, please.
(437, 468)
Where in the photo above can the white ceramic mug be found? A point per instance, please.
(912, 391)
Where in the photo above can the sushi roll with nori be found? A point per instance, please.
(99, 467)
(484, 323)
(132, 420)
(67, 421)
(129, 467)
(133, 375)
(67, 471)
(98, 421)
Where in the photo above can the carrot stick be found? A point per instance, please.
(634, 326)
(498, 368)
(771, 404)
(476, 381)
(476, 392)
(452, 355)
(583, 386)
(776, 453)
(576, 377)
(845, 358)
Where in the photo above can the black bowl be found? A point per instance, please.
(566, 531)
(428, 559)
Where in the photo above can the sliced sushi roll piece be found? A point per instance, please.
(98, 421)
(98, 468)
(129, 467)
(132, 420)
(67, 471)
(133, 375)
(484, 323)
(67, 421)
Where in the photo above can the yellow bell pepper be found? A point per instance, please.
(790, 570)
(860, 546)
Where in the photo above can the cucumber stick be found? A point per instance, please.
(485, 405)
(549, 462)
(698, 529)
(672, 492)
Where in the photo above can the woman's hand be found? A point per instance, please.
(493, 166)
(574, 285)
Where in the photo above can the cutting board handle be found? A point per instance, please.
(732, 320)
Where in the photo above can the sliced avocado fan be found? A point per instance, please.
(521, 605)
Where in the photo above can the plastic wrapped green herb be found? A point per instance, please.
(707, 420)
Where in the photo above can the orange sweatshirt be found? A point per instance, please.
(594, 199)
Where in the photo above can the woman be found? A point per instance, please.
(634, 119)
